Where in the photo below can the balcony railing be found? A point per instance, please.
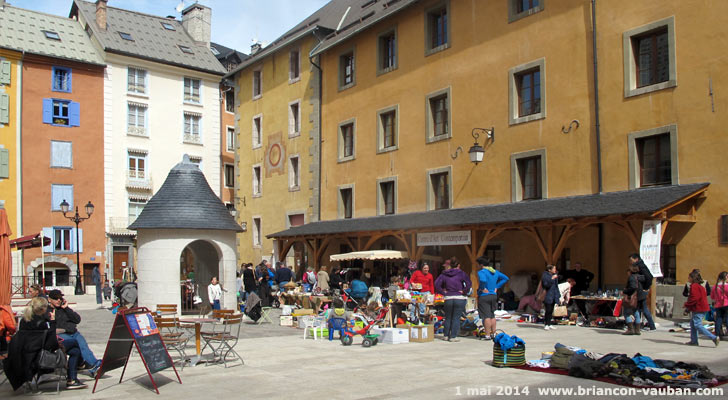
(118, 226)
(138, 179)
(136, 130)
(192, 138)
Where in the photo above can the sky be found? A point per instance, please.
(235, 23)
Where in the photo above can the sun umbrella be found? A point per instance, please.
(6, 264)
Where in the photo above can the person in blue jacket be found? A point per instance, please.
(358, 289)
(490, 280)
(550, 283)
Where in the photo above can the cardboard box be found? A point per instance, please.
(302, 311)
(420, 333)
(286, 320)
(392, 335)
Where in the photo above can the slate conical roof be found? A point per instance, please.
(185, 201)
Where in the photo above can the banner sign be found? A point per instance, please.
(451, 238)
(650, 245)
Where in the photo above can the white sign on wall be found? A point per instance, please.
(451, 238)
(650, 245)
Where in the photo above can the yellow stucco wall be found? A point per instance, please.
(8, 136)
(277, 201)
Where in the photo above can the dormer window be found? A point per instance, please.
(52, 35)
(126, 36)
(168, 26)
(186, 49)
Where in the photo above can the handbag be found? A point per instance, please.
(51, 359)
(629, 300)
(560, 311)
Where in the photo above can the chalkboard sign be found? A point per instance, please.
(135, 327)
(154, 353)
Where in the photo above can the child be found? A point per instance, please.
(107, 291)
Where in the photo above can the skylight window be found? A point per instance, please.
(214, 51)
(52, 35)
(168, 26)
(126, 36)
(186, 49)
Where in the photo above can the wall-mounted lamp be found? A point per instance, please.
(244, 225)
(477, 151)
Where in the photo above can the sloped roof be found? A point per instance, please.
(638, 201)
(185, 201)
(22, 30)
(226, 52)
(326, 17)
(151, 41)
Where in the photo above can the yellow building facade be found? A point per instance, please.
(10, 72)
(404, 91)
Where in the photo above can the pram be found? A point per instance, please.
(369, 339)
(253, 307)
(126, 294)
(351, 303)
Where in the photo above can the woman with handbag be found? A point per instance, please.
(630, 302)
(550, 283)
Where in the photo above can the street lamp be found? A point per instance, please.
(77, 219)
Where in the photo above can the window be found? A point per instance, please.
(137, 119)
(230, 100)
(723, 230)
(294, 177)
(387, 52)
(438, 116)
(61, 154)
(229, 175)
(437, 28)
(230, 139)
(135, 209)
(60, 193)
(347, 78)
(518, 9)
(439, 189)
(62, 240)
(52, 35)
(346, 141)
(649, 58)
(61, 79)
(294, 68)
(257, 84)
(387, 124)
(527, 94)
(296, 220)
(168, 26)
(61, 112)
(197, 160)
(257, 183)
(668, 264)
(294, 119)
(5, 69)
(136, 81)
(192, 90)
(528, 175)
(192, 128)
(653, 157)
(387, 195)
(185, 49)
(346, 202)
(257, 232)
(257, 131)
(126, 36)
(137, 166)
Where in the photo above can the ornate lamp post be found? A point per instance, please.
(77, 219)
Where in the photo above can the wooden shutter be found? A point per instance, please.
(4, 108)
(5, 72)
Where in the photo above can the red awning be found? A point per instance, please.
(30, 241)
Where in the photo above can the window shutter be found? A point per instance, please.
(47, 111)
(80, 240)
(69, 81)
(4, 108)
(68, 195)
(723, 229)
(48, 232)
(74, 113)
(61, 154)
(4, 163)
(5, 72)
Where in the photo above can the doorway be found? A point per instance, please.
(88, 273)
(121, 260)
(199, 262)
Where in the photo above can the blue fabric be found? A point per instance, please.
(644, 362)
(359, 289)
(454, 309)
(489, 282)
(507, 342)
(86, 353)
(336, 324)
(216, 304)
(696, 324)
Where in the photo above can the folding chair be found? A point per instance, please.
(223, 342)
(265, 315)
(172, 337)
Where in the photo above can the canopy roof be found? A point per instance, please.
(370, 255)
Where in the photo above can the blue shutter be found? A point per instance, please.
(48, 232)
(47, 111)
(74, 113)
(69, 79)
(5, 72)
(4, 108)
(73, 240)
(4, 163)
(80, 240)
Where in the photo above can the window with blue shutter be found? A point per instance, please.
(61, 112)
(4, 163)
(61, 154)
(61, 79)
(60, 193)
(4, 108)
(63, 239)
(4, 72)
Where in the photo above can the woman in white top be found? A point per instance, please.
(214, 293)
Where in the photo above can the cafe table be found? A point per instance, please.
(198, 328)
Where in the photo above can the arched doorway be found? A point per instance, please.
(199, 261)
(56, 275)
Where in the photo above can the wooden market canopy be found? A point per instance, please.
(370, 255)
(549, 221)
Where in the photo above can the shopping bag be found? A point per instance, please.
(618, 308)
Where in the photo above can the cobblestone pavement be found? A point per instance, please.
(280, 364)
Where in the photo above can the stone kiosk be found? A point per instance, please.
(185, 222)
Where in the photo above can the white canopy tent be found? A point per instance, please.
(370, 255)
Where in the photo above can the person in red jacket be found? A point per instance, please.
(697, 304)
(424, 278)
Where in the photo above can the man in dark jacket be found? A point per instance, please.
(283, 275)
(67, 319)
(646, 283)
(96, 278)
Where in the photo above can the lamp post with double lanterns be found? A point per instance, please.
(77, 219)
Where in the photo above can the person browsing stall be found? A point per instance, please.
(454, 285)
(550, 283)
(358, 289)
(645, 284)
(489, 281)
(582, 278)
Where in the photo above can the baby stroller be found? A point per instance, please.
(351, 303)
(370, 339)
(253, 307)
(126, 294)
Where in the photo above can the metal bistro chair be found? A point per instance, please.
(265, 315)
(223, 342)
(172, 336)
(165, 310)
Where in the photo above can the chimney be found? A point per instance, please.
(101, 13)
(197, 20)
(255, 47)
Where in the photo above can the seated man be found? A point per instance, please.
(67, 319)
